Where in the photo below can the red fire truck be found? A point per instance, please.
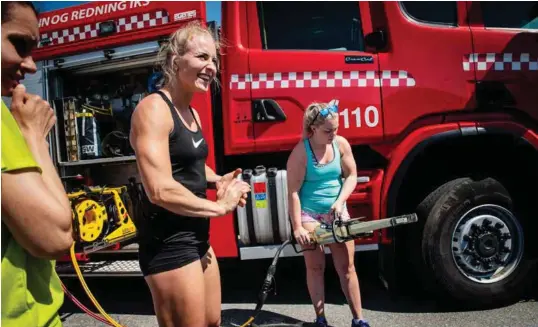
(424, 91)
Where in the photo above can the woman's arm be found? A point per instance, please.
(211, 176)
(150, 128)
(296, 167)
(220, 183)
(349, 170)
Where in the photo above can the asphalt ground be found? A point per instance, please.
(128, 300)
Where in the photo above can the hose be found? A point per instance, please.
(262, 295)
(110, 320)
(269, 278)
(83, 307)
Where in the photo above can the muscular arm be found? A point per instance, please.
(40, 151)
(38, 212)
(295, 175)
(349, 170)
(150, 127)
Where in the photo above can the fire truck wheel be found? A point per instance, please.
(414, 234)
(473, 245)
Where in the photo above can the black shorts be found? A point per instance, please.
(170, 241)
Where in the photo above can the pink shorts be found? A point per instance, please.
(307, 217)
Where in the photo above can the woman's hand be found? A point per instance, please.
(302, 236)
(223, 183)
(337, 208)
(34, 115)
(230, 196)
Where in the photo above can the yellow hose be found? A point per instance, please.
(85, 286)
(247, 323)
(97, 305)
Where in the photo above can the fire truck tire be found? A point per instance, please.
(473, 245)
(418, 270)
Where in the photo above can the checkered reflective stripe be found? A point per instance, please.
(89, 31)
(142, 21)
(500, 61)
(323, 79)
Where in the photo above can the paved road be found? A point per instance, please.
(128, 301)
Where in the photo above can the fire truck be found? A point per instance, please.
(438, 100)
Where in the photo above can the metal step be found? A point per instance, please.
(112, 268)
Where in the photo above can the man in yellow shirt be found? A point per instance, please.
(36, 215)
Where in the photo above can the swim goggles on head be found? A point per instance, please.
(332, 108)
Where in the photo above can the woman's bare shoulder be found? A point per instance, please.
(152, 110)
(152, 101)
(298, 154)
(343, 144)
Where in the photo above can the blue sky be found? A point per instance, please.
(213, 7)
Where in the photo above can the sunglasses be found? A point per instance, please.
(325, 112)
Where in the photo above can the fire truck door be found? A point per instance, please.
(304, 52)
(505, 54)
(422, 61)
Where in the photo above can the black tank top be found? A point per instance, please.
(161, 229)
(188, 153)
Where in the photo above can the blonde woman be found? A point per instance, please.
(316, 167)
(175, 256)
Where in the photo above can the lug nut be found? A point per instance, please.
(486, 222)
(467, 238)
(506, 236)
(499, 225)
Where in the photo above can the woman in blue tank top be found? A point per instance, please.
(316, 167)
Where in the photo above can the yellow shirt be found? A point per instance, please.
(31, 289)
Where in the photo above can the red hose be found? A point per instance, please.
(83, 307)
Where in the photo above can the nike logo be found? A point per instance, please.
(197, 143)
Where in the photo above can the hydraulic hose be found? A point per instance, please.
(262, 295)
(83, 307)
(110, 320)
(269, 278)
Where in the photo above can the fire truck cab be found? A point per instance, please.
(438, 100)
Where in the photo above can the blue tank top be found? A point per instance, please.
(322, 183)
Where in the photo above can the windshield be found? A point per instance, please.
(44, 6)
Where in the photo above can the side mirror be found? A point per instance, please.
(376, 39)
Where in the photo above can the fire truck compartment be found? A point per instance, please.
(94, 95)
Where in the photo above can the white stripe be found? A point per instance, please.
(95, 137)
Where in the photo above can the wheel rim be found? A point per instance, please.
(487, 243)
